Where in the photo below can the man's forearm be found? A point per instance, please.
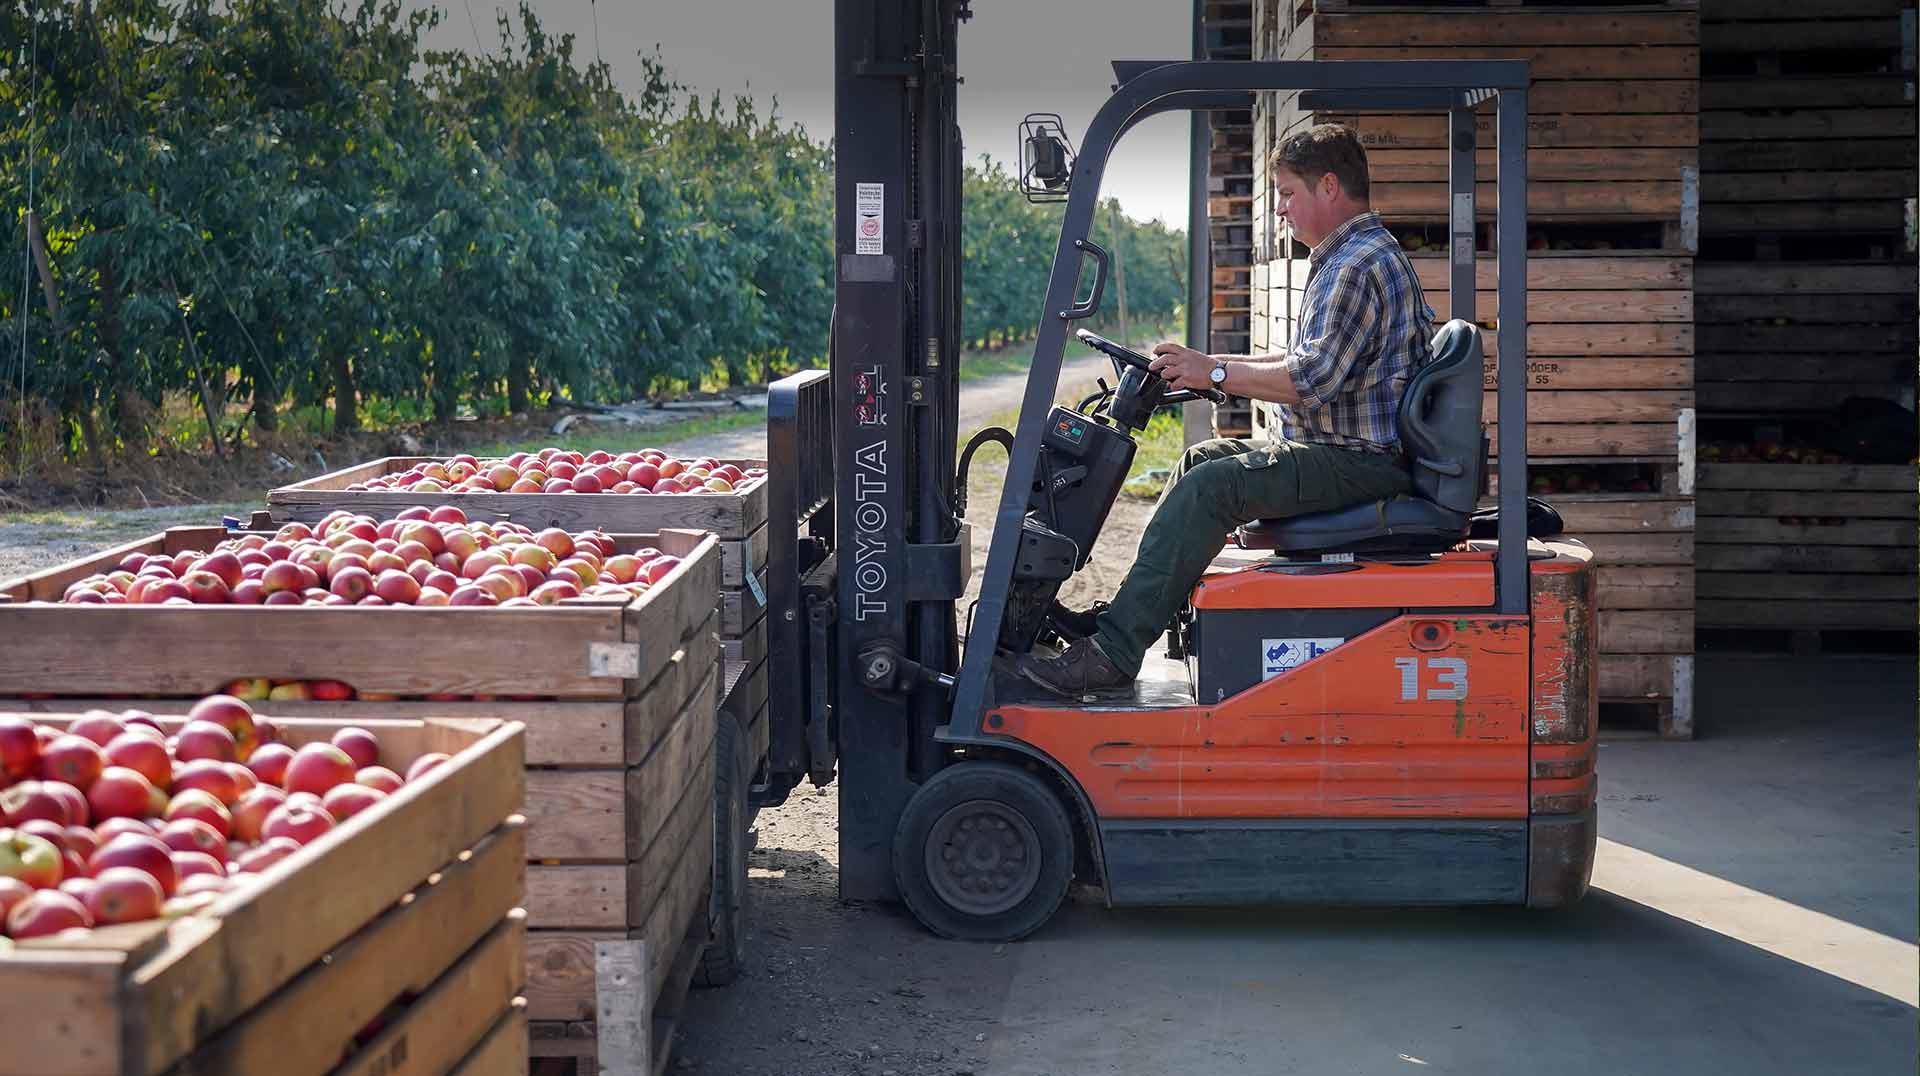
(1260, 377)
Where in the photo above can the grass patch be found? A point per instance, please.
(618, 437)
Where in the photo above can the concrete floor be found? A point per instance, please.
(1754, 912)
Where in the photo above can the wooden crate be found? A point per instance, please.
(416, 895)
(619, 744)
(633, 1028)
(1613, 128)
(738, 520)
(1807, 124)
(1795, 338)
(1807, 546)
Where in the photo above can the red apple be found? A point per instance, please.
(205, 740)
(425, 763)
(297, 821)
(232, 714)
(206, 588)
(47, 830)
(360, 745)
(19, 749)
(282, 576)
(195, 884)
(124, 895)
(318, 767)
(81, 840)
(193, 835)
(658, 568)
(115, 827)
(264, 855)
(471, 594)
(33, 860)
(351, 583)
(250, 813)
(189, 863)
(46, 912)
(97, 725)
(329, 690)
(120, 793)
(295, 690)
(143, 754)
(269, 762)
(199, 805)
(345, 801)
(12, 892)
(397, 587)
(207, 775)
(447, 513)
(243, 778)
(225, 565)
(73, 759)
(134, 850)
(378, 778)
(74, 800)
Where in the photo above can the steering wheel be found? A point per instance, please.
(1126, 355)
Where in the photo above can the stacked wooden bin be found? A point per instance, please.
(716, 663)
(1232, 218)
(617, 699)
(1613, 154)
(1807, 325)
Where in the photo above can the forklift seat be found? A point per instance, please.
(1440, 432)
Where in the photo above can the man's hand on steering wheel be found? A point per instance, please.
(1182, 367)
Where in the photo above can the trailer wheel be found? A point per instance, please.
(983, 852)
(726, 949)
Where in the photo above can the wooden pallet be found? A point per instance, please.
(632, 1033)
(1809, 547)
(619, 773)
(414, 900)
(1613, 129)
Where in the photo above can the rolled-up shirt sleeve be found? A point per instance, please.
(1334, 338)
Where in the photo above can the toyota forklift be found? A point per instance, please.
(1368, 706)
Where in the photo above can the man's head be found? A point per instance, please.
(1319, 180)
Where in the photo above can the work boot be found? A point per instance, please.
(1075, 626)
(1083, 669)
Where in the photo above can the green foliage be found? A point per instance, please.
(290, 214)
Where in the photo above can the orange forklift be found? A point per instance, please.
(1369, 706)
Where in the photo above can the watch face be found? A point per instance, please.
(1219, 374)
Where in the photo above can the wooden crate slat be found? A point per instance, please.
(1737, 530)
(308, 1024)
(692, 818)
(1596, 439)
(1611, 339)
(1587, 406)
(1629, 513)
(737, 554)
(1610, 372)
(750, 648)
(576, 815)
(1646, 632)
(1799, 35)
(1389, 131)
(1868, 615)
(1823, 278)
(1882, 504)
(1746, 155)
(1657, 548)
(1513, 26)
(1639, 586)
(650, 716)
(1804, 91)
(726, 516)
(1636, 676)
(1888, 560)
(653, 788)
(1858, 478)
(577, 896)
(1618, 199)
(1784, 586)
(1805, 339)
(1552, 271)
(503, 1052)
(1549, 62)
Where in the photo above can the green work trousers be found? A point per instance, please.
(1219, 485)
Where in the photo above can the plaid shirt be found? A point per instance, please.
(1364, 328)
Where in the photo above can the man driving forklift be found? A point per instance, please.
(1364, 328)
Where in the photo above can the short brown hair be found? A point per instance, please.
(1324, 148)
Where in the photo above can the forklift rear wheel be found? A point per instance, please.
(984, 852)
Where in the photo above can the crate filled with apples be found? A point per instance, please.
(618, 688)
(194, 883)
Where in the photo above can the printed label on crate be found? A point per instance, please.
(869, 202)
(1284, 655)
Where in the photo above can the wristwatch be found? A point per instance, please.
(1218, 375)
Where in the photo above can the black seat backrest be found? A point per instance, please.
(1440, 419)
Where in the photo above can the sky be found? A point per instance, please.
(1016, 57)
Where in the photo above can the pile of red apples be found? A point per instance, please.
(423, 556)
(112, 820)
(555, 470)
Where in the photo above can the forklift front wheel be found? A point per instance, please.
(983, 852)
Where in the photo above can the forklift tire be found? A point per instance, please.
(983, 852)
(726, 949)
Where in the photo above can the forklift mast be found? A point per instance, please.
(900, 550)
